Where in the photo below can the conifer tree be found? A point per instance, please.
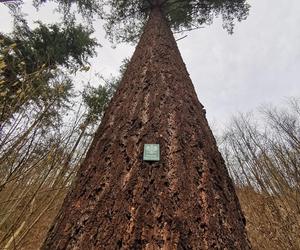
(183, 200)
(34, 62)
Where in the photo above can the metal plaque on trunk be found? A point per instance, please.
(151, 152)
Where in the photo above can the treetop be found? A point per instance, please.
(125, 19)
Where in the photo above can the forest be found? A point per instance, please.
(60, 146)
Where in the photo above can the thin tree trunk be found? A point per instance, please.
(184, 201)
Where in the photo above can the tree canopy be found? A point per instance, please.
(35, 62)
(125, 19)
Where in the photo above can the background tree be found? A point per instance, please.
(36, 61)
(263, 158)
(97, 98)
(37, 164)
(40, 148)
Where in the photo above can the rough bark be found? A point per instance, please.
(184, 201)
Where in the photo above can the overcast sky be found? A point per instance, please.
(258, 64)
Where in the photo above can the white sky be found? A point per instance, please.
(258, 64)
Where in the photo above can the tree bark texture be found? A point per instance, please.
(186, 200)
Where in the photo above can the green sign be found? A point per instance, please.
(151, 152)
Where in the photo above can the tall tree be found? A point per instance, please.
(35, 61)
(186, 200)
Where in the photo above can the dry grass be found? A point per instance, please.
(270, 224)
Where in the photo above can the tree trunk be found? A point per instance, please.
(184, 201)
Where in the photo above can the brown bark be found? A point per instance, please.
(184, 201)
